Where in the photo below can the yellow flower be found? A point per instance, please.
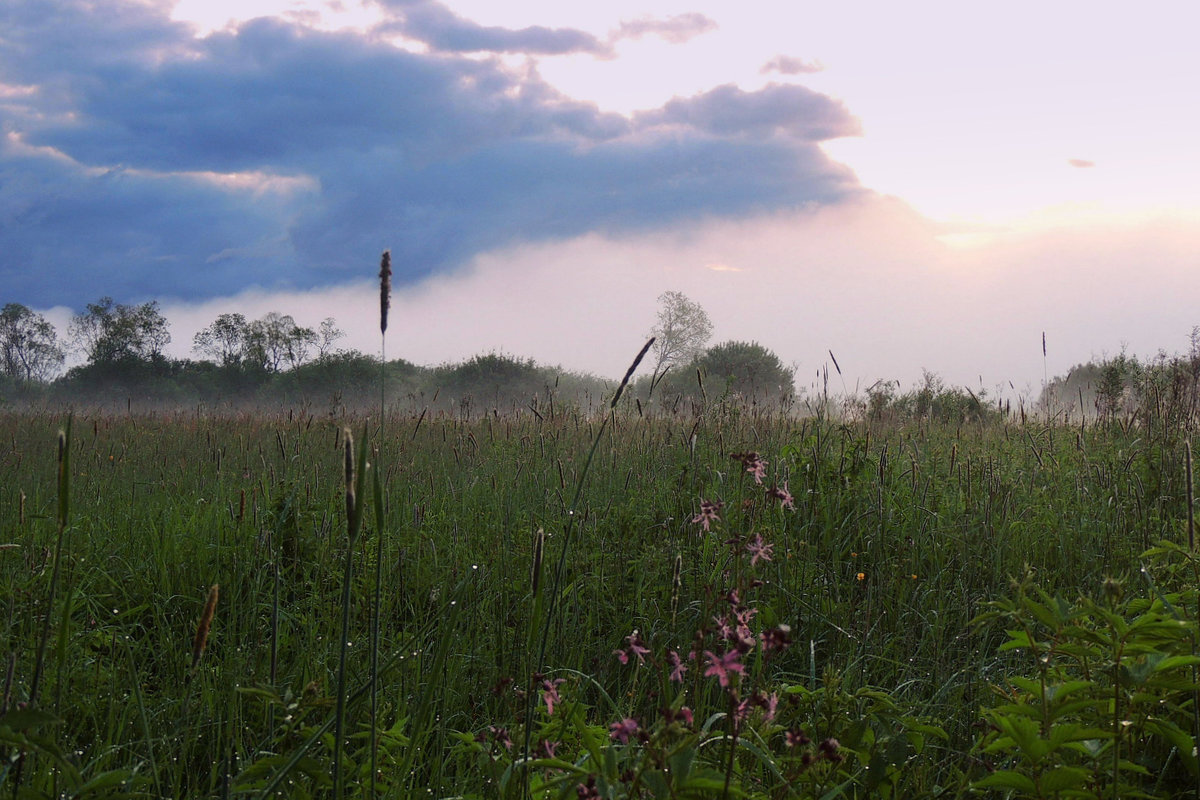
(862, 576)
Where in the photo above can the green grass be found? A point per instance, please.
(938, 521)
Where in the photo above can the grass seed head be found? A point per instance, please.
(351, 501)
(385, 289)
(206, 618)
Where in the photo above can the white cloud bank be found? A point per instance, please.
(889, 292)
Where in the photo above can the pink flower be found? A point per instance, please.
(588, 791)
(685, 714)
(753, 463)
(772, 704)
(783, 496)
(721, 666)
(677, 666)
(776, 638)
(501, 735)
(621, 731)
(548, 747)
(796, 738)
(550, 694)
(708, 513)
(757, 549)
(636, 648)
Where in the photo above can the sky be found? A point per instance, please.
(923, 186)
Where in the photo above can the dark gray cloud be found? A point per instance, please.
(436, 25)
(790, 65)
(148, 163)
(676, 29)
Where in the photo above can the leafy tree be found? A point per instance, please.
(682, 330)
(29, 348)
(109, 332)
(225, 340)
(276, 340)
(747, 368)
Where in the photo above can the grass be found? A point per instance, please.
(901, 535)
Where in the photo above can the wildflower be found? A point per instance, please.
(550, 694)
(757, 549)
(684, 714)
(783, 496)
(708, 513)
(721, 666)
(636, 648)
(587, 791)
(796, 738)
(548, 747)
(677, 666)
(862, 576)
(621, 731)
(754, 464)
(776, 638)
(829, 750)
(501, 736)
(771, 705)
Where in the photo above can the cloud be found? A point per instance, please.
(140, 161)
(675, 29)
(867, 278)
(436, 25)
(1081, 163)
(790, 65)
(794, 111)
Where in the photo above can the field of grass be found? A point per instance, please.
(895, 610)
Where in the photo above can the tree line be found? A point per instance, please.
(274, 358)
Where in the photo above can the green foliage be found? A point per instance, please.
(1108, 706)
(112, 333)
(886, 539)
(739, 370)
(29, 347)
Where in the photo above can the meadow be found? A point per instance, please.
(549, 601)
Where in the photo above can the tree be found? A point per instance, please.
(276, 340)
(29, 348)
(327, 333)
(747, 368)
(109, 332)
(224, 340)
(682, 330)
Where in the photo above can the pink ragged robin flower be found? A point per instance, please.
(754, 464)
(776, 638)
(677, 666)
(550, 694)
(708, 513)
(721, 666)
(796, 738)
(757, 549)
(636, 648)
(588, 791)
(783, 496)
(621, 731)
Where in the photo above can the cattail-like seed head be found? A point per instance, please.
(385, 289)
(351, 501)
(629, 372)
(676, 584)
(539, 548)
(206, 618)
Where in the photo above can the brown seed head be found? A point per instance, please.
(385, 289)
(206, 618)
